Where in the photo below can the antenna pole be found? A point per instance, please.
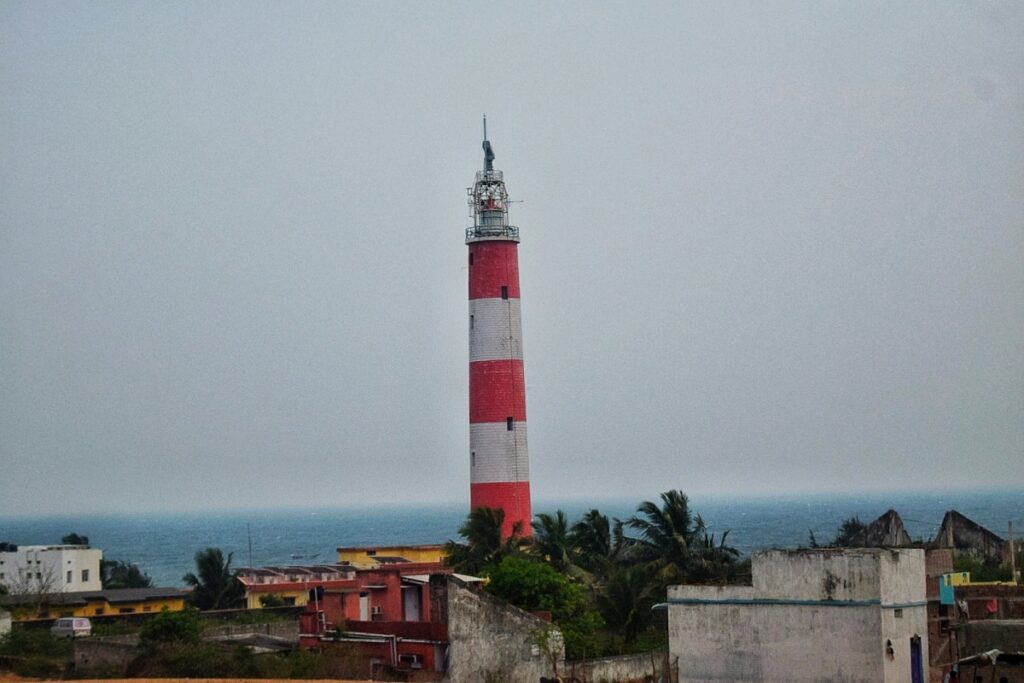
(485, 126)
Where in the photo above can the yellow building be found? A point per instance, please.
(290, 584)
(111, 602)
(372, 557)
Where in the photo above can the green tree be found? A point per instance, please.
(712, 561)
(171, 627)
(599, 543)
(551, 539)
(667, 534)
(120, 574)
(74, 539)
(214, 585)
(850, 527)
(533, 586)
(484, 546)
(627, 600)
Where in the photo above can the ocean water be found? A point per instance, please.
(164, 544)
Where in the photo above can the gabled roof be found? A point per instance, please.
(885, 532)
(961, 533)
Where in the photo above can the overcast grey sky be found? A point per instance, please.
(766, 247)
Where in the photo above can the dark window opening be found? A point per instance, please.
(470, 322)
(508, 423)
(470, 258)
(504, 291)
(472, 459)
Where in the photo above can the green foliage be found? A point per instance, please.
(27, 642)
(214, 585)
(37, 666)
(627, 600)
(212, 660)
(551, 539)
(534, 586)
(120, 574)
(598, 583)
(484, 546)
(850, 527)
(599, 544)
(981, 568)
(171, 627)
(74, 539)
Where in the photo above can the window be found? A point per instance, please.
(898, 612)
(509, 423)
(504, 291)
(98, 611)
(70, 574)
(470, 322)
(470, 258)
(371, 553)
(126, 610)
(472, 459)
(85, 576)
(147, 608)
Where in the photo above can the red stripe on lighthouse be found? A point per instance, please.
(496, 391)
(495, 265)
(512, 497)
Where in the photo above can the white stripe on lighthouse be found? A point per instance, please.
(495, 329)
(498, 454)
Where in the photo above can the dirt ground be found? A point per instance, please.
(11, 678)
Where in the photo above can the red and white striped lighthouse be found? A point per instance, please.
(499, 466)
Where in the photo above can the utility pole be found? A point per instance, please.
(1013, 553)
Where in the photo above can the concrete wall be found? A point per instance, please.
(830, 574)
(109, 654)
(783, 643)
(491, 640)
(623, 669)
(902, 574)
(997, 634)
(812, 615)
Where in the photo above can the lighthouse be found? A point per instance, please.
(498, 463)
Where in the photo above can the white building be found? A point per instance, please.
(51, 569)
(811, 615)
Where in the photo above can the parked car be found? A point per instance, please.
(71, 627)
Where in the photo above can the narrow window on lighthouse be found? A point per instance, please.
(470, 322)
(472, 459)
(504, 291)
(470, 258)
(508, 423)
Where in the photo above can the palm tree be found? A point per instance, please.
(666, 533)
(484, 546)
(597, 542)
(627, 601)
(214, 585)
(121, 574)
(551, 539)
(712, 561)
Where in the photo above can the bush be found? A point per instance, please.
(171, 627)
(37, 666)
(981, 569)
(26, 642)
(534, 586)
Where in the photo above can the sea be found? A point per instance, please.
(164, 544)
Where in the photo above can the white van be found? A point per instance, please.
(71, 627)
